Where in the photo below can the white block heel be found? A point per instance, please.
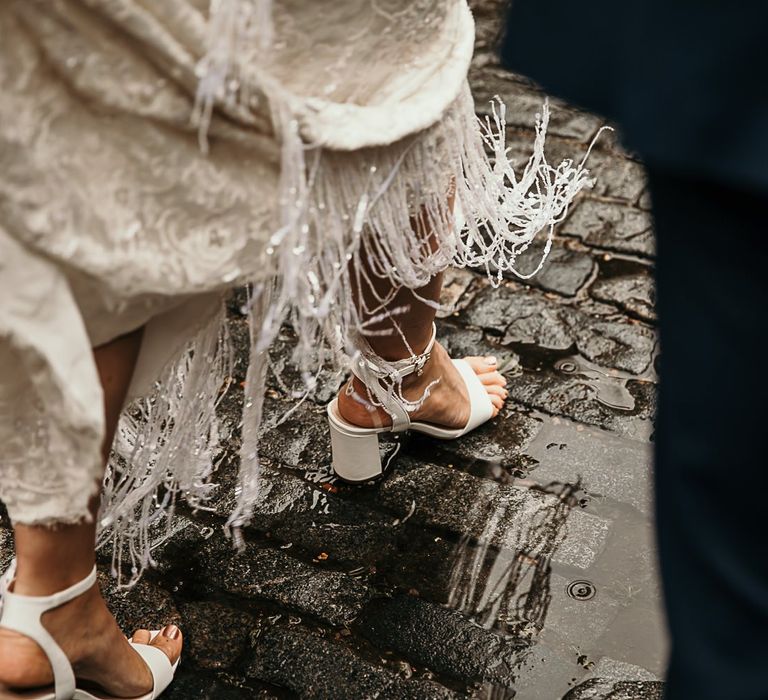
(23, 614)
(355, 451)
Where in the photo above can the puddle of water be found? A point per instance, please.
(609, 387)
(615, 616)
(601, 607)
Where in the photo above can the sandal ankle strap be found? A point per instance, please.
(23, 614)
(383, 368)
(371, 369)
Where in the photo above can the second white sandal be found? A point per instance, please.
(23, 614)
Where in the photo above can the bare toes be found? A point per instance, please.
(495, 390)
(170, 641)
(497, 401)
(492, 379)
(141, 637)
(482, 365)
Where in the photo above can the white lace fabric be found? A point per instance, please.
(154, 155)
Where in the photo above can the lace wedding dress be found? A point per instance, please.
(156, 153)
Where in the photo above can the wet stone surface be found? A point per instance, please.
(566, 270)
(633, 294)
(314, 667)
(612, 226)
(274, 576)
(441, 640)
(515, 562)
(598, 689)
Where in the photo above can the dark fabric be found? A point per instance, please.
(687, 80)
(711, 463)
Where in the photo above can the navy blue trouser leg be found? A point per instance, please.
(712, 436)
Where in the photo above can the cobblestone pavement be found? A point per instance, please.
(516, 562)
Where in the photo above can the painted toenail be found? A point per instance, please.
(171, 632)
(490, 360)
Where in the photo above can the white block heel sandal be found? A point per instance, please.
(23, 614)
(355, 451)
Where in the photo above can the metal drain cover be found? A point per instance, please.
(581, 590)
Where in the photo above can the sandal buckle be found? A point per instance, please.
(420, 362)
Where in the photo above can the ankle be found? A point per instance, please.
(31, 580)
(393, 347)
(51, 559)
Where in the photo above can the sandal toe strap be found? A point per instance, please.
(481, 407)
(159, 665)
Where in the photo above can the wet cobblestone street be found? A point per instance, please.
(515, 562)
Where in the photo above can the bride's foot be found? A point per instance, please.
(89, 636)
(448, 402)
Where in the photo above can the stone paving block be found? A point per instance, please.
(534, 320)
(465, 576)
(633, 294)
(424, 563)
(507, 516)
(615, 344)
(215, 635)
(499, 589)
(608, 466)
(501, 441)
(192, 684)
(317, 669)
(598, 689)
(565, 270)
(293, 511)
(461, 342)
(526, 316)
(610, 226)
(638, 634)
(302, 440)
(495, 309)
(625, 570)
(575, 398)
(457, 291)
(273, 575)
(147, 605)
(443, 640)
(585, 538)
(615, 175)
(285, 378)
(608, 668)
(545, 673)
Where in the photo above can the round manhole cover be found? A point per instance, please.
(581, 590)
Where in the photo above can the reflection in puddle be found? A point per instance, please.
(503, 589)
(609, 387)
